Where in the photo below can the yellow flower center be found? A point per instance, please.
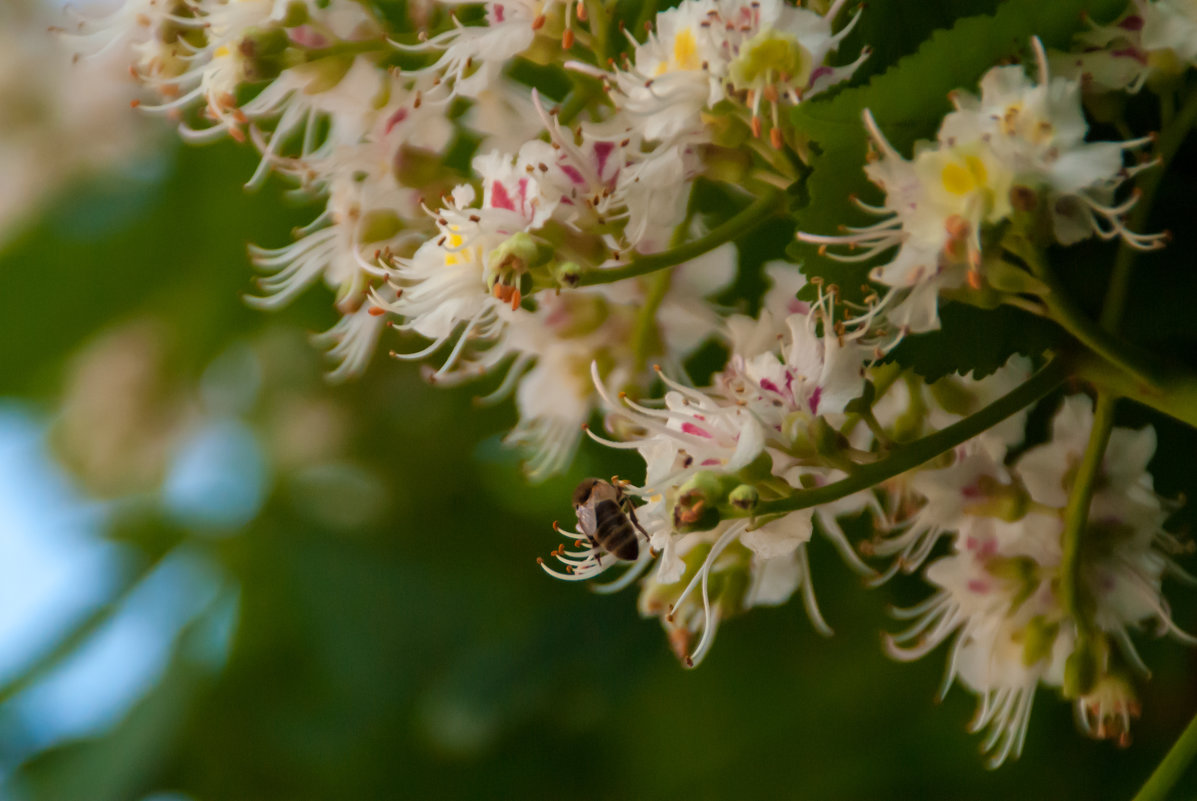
(962, 179)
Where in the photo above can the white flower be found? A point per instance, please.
(998, 596)
(472, 57)
(455, 286)
(1018, 137)
(706, 51)
(775, 387)
(59, 119)
(1170, 25)
(726, 576)
(995, 600)
(1037, 131)
(1150, 41)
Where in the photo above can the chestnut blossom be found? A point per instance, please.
(1152, 42)
(998, 593)
(1020, 142)
(762, 413)
(705, 51)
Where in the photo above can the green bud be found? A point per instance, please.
(379, 225)
(417, 166)
(262, 53)
(517, 253)
(1082, 669)
(696, 507)
(1007, 277)
(1007, 502)
(799, 430)
(744, 497)
(265, 42)
(567, 273)
(1038, 638)
(297, 14)
(1019, 571)
(759, 469)
(325, 74)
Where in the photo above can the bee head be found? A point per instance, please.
(584, 489)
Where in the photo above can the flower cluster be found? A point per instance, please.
(460, 251)
(550, 194)
(1004, 164)
(1001, 596)
(763, 429)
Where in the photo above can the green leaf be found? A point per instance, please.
(975, 340)
(896, 28)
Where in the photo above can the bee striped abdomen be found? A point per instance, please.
(613, 531)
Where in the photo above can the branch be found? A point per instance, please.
(1136, 363)
(1172, 767)
(910, 455)
(1076, 514)
(755, 214)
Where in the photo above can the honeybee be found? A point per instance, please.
(607, 518)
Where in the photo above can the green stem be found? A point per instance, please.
(346, 48)
(648, 10)
(1076, 514)
(755, 214)
(1173, 767)
(910, 455)
(1174, 133)
(655, 291)
(1173, 390)
(573, 103)
(600, 26)
(1136, 363)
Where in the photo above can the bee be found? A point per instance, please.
(607, 518)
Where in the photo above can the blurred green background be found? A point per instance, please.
(222, 578)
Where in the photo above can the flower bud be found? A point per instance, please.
(744, 497)
(567, 273)
(325, 74)
(519, 253)
(379, 225)
(1082, 669)
(1006, 277)
(297, 14)
(696, 507)
(1037, 640)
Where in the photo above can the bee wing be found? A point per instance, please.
(587, 524)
